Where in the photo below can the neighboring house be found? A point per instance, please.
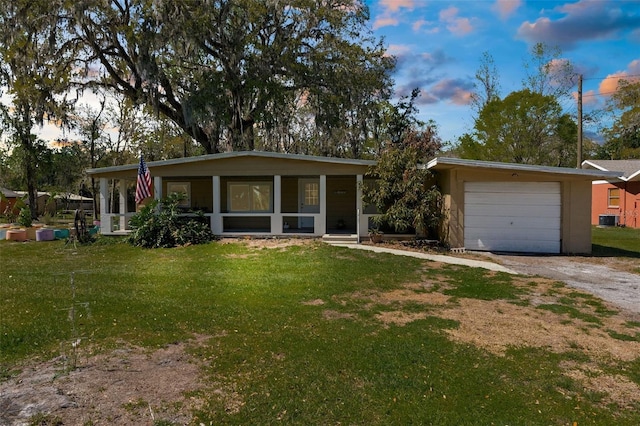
(616, 201)
(41, 200)
(515, 207)
(66, 201)
(249, 192)
(8, 200)
(489, 206)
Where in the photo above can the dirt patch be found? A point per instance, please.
(499, 325)
(127, 386)
(269, 243)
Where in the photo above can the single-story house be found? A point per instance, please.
(616, 201)
(489, 206)
(249, 193)
(492, 206)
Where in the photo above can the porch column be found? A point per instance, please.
(105, 221)
(276, 217)
(123, 204)
(359, 206)
(216, 219)
(321, 228)
(157, 187)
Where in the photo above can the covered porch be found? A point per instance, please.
(248, 193)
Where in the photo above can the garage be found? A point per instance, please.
(522, 208)
(512, 216)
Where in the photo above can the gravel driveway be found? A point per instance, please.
(585, 273)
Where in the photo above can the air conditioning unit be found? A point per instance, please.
(608, 220)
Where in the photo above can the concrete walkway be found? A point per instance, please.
(433, 257)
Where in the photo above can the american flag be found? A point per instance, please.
(143, 185)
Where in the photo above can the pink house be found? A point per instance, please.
(616, 201)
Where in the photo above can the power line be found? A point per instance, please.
(612, 76)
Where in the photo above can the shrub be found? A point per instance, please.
(159, 224)
(24, 218)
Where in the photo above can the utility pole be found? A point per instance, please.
(579, 165)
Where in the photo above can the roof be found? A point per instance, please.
(444, 163)
(630, 169)
(66, 195)
(8, 193)
(236, 154)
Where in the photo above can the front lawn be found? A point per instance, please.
(306, 333)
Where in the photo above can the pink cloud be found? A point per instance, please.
(460, 26)
(385, 21)
(610, 84)
(448, 14)
(588, 98)
(456, 25)
(505, 8)
(395, 5)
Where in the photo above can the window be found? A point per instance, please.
(311, 194)
(613, 196)
(249, 197)
(183, 188)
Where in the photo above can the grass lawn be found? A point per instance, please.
(314, 334)
(616, 241)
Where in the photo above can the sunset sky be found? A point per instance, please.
(439, 44)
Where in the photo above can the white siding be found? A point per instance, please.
(512, 216)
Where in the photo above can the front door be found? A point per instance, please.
(309, 200)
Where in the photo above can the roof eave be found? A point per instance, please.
(153, 164)
(446, 162)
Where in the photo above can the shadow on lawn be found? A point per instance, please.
(598, 250)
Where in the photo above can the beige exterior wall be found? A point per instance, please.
(576, 203)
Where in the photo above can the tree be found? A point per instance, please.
(224, 70)
(487, 86)
(548, 73)
(405, 193)
(524, 127)
(623, 136)
(35, 64)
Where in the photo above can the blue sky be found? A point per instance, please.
(439, 43)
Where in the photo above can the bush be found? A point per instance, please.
(159, 224)
(24, 218)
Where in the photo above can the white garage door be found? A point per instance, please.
(512, 216)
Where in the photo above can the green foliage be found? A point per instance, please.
(24, 217)
(405, 192)
(524, 127)
(623, 136)
(231, 73)
(160, 224)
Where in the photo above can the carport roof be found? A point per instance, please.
(446, 163)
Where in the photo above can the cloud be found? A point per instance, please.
(395, 5)
(455, 91)
(588, 98)
(584, 20)
(419, 24)
(610, 83)
(385, 21)
(505, 8)
(435, 59)
(389, 18)
(456, 25)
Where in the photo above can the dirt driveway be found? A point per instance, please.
(607, 278)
